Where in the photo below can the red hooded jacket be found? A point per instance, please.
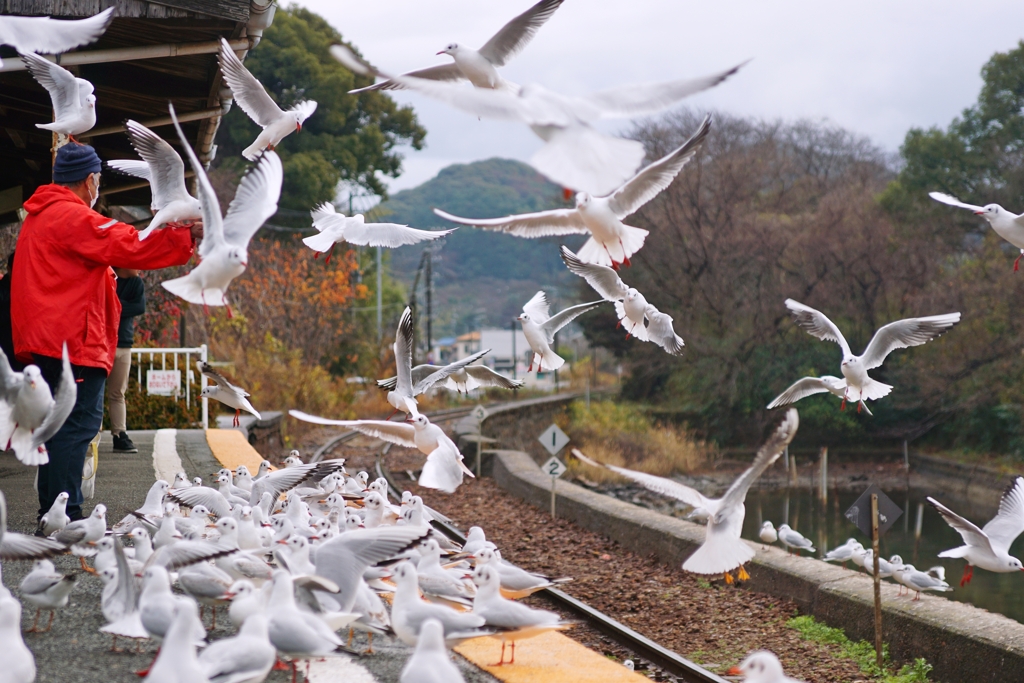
(62, 287)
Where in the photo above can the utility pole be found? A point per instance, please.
(515, 360)
(380, 297)
(430, 299)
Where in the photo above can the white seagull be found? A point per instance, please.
(29, 413)
(74, 104)
(443, 469)
(845, 552)
(243, 658)
(479, 66)
(224, 247)
(463, 380)
(177, 661)
(226, 392)
(539, 328)
(611, 241)
(792, 538)
(901, 334)
(56, 518)
(80, 536)
(761, 667)
(989, 547)
(333, 227)
(631, 307)
(768, 534)
(575, 155)
(430, 661)
(52, 36)
(19, 663)
(722, 550)
(1007, 225)
(15, 546)
(258, 105)
(809, 386)
(165, 171)
(46, 588)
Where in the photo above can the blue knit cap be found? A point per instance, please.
(74, 163)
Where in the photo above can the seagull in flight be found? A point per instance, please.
(226, 392)
(52, 36)
(901, 334)
(611, 241)
(74, 104)
(989, 547)
(576, 154)
(722, 551)
(1007, 225)
(258, 105)
(334, 227)
(165, 171)
(462, 381)
(808, 386)
(479, 67)
(539, 328)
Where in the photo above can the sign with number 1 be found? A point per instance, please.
(553, 439)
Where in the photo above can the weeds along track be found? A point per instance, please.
(661, 661)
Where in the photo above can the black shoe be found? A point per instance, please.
(122, 444)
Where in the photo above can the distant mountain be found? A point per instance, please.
(482, 277)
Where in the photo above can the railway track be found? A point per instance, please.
(645, 648)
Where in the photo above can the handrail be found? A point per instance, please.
(200, 351)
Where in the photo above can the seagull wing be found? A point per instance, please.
(564, 317)
(1008, 523)
(10, 381)
(403, 352)
(603, 279)
(281, 481)
(390, 235)
(489, 378)
(52, 36)
(650, 182)
(212, 499)
(516, 34)
(445, 72)
(213, 224)
(418, 374)
(58, 81)
(255, 200)
(665, 487)
(537, 308)
(304, 109)
(439, 375)
(649, 98)
(530, 225)
(400, 433)
(903, 334)
(219, 379)
(63, 404)
(972, 535)
(766, 455)
(248, 92)
(166, 169)
(14, 546)
(184, 553)
(953, 201)
(817, 324)
(661, 332)
(802, 388)
(132, 167)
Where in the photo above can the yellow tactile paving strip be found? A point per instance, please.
(231, 449)
(548, 658)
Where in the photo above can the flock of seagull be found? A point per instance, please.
(302, 552)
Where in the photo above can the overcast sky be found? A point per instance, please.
(876, 67)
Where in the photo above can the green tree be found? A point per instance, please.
(349, 137)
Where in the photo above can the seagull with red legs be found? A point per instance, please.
(989, 546)
(859, 387)
(1008, 225)
(227, 393)
(539, 328)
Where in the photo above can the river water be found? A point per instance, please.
(826, 526)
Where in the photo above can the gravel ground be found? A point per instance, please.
(712, 624)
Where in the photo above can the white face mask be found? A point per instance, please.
(94, 189)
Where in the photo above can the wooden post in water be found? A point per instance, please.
(823, 475)
(792, 472)
(878, 583)
(906, 456)
(785, 459)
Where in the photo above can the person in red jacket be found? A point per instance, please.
(63, 290)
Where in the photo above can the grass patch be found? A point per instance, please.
(623, 435)
(861, 652)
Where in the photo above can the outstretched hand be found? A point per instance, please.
(197, 230)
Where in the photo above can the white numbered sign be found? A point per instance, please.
(554, 468)
(479, 413)
(553, 439)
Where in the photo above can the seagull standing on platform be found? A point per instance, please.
(80, 537)
(226, 392)
(19, 663)
(224, 249)
(901, 334)
(479, 66)
(539, 328)
(46, 588)
(794, 539)
(723, 550)
(768, 534)
(1006, 224)
(430, 661)
(989, 547)
(165, 171)
(56, 518)
(334, 227)
(74, 104)
(52, 36)
(611, 241)
(258, 105)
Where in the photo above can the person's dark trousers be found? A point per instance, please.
(70, 444)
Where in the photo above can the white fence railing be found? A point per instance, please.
(157, 359)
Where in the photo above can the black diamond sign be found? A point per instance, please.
(860, 512)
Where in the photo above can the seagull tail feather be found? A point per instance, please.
(718, 554)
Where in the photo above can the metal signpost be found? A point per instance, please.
(882, 514)
(479, 414)
(553, 439)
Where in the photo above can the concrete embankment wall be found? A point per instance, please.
(962, 642)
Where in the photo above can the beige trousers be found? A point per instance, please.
(117, 383)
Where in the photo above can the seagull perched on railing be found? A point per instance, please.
(901, 334)
(722, 551)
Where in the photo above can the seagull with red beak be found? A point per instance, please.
(1009, 226)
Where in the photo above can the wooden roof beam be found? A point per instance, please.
(126, 54)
